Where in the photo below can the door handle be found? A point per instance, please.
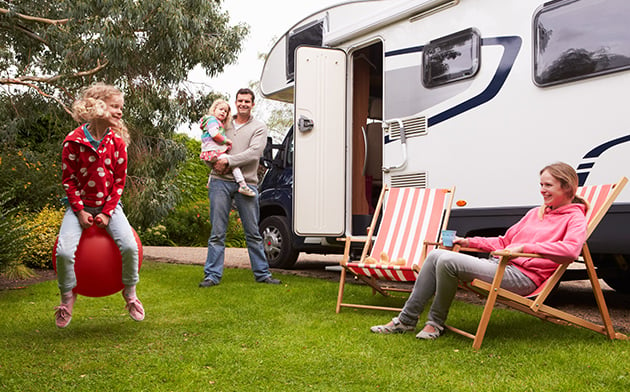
(305, 124)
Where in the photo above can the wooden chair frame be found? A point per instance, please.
(372, 281)
(535, 306)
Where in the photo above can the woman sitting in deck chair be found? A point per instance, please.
(557, 228)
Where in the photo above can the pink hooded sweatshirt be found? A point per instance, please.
(560, 235)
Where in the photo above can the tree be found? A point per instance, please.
(52, 48)
(277, 115)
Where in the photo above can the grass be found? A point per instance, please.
(243, 336)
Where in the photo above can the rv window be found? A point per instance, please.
(580, 39)
(451, 58)
(311, 34)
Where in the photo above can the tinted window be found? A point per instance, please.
(576, 39)
(450, 58)
(311, 34)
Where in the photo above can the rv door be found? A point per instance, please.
(320, 142)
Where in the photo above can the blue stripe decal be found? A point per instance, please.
(511, 45)
(595, 153)
(599, 150)
(398, 52)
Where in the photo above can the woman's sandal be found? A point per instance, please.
(395, 326)
(438, 330)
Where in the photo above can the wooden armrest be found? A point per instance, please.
(440, 245)
(512, 255)
(474, 250)
(504, 252)
(353, 239)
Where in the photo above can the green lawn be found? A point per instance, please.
(244, 336)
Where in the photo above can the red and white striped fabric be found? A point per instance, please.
(410, 217)
(596, 196)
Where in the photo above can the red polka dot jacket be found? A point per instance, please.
(93, 178)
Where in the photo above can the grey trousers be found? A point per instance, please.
(439, 276)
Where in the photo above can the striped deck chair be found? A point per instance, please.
(410, 216)
(600, 198)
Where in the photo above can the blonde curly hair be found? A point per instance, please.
(91, 105)
(216, 104)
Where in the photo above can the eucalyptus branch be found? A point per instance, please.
(29, 81)
(23, 80)
(41, 92)
(55, 22)
(31, 34)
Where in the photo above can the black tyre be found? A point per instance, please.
(277, 242)
(620, 285)
(615, 270)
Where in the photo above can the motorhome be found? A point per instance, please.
(477, 94)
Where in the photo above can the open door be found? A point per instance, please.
(366, 98)
(320, 142)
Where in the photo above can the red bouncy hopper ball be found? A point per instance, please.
(98, 264)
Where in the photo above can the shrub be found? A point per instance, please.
(186, 225)
(155, 236)
(189, 225)
(13, 234)
(43, 229)
(193, 175)
(28, 179)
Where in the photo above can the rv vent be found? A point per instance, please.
(413, 127)
(414, 180)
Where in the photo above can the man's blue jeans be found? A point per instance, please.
(221, 193)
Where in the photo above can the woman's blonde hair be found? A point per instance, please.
(91, 105)
(568, 179)
(216, 104)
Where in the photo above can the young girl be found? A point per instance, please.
(557, 228)
(214, 144)
(94, 170)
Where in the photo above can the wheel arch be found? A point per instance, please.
(272, 210)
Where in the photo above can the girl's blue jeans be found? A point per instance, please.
(70, 234)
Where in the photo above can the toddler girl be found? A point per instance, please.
(214, 143)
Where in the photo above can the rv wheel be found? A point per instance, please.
(615, 271)
(277, 242)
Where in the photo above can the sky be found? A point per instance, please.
(268, 20)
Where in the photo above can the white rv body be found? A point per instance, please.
(488, 131)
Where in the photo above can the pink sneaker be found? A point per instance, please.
(135, 308)
(63, 312)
